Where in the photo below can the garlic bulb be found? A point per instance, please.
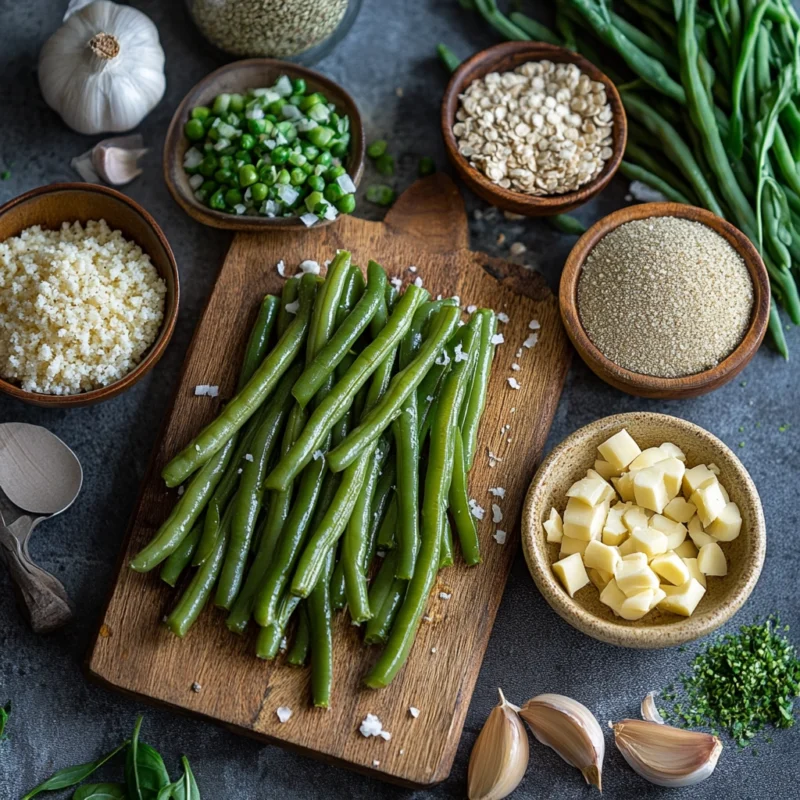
(499, 756)
(103, 69)
(571, 730)
(664, 755)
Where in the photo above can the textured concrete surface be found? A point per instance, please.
(60, 719)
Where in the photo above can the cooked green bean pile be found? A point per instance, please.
(712, 94)
(274, 152)
(351, 435)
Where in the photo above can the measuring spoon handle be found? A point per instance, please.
(41, 595)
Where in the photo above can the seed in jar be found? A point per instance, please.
(665, 296)
(542, 129)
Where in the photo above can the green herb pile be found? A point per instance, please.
(146, 776)
(741, 683)
(274, 152)
(712, 95)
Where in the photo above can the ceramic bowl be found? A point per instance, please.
(649, 385)
(725, 596)
(240, 76)
(50, 206)
(506, 57)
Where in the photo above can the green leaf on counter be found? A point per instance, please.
(5, 713)
(145, 772)
(101, 791)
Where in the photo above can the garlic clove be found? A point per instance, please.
(499, 756)
(649, 710)
(571, 730)
(116, 159)
(667, 756)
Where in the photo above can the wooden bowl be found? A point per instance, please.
(51, 205)
(238, 77)
(506, 57)
(725, 596)
(648, 385)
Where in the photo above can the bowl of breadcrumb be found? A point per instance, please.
(89, 294)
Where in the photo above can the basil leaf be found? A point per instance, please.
(170, 792)
(5, 713)
(101, 791)
(131, 773)
(191, 792)
(145, 772)
(72, 776)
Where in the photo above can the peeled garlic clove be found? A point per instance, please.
(649, 710)
(116, 159)
(499, 756)
(664, 755)
(571, 730)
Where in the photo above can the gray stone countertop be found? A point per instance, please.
(388, 63)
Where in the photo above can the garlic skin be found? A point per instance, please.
(103, 69)
(499, 756)
(648, 709)
(571, 730)
(667, 756)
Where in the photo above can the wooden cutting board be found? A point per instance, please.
(134, 652)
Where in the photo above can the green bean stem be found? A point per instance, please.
(449, 59)
(177, 562)
(566, 223)
(289, 294)
(320, 619)
(636, 173)
(298, 654)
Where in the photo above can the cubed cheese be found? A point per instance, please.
(554, 527)
(658, 595)
(634, 576)
(601, 556)
(570, 546)
(647, 458)
(694, 571)
(605, 469)
(679, 510)
(711, 560)
(582, 521)
(649, 489)
(627, 547)
(670, 567)
(727, 526)
(697, 534)
(637, 605)
(674, 531)
(673, 451)
(687, 550)
(709, 501)
(614, 530)
(608, 493)
(571, 573)
(619, 450)
(612, 596)
(696, 477)
(673, 471)
(624, 486)
(634, 517)
(591, 491)
(649, 541)
(599, 578)
(682, 599)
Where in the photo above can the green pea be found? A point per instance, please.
(324, 158)
(313, 99)
(275, 107)
(243, 155)
(380, 194)
(280, 155)
(299, 86)
(316, 183)
(333, 173)
(217, 200)
(209, 187)
(296, 99)
(233, 197)
(335, 119)
(268, 175)
(259, 191)
(221, 105)
(236, 103)
(208, 166)
(200, 112)
(297, 176)
(194, 130)
(225, 176)
(308, 168)
(247, 142)
(347, 204)
(271, 118)
(309, 151)
(313, 200)
(256, 126)
(385, 165)
(209, 121)
(226, 162)
(320, 136)
(284, 176)
(333, 192)
(247, 175)
(297, 159)
(339, 149)
(287, 130)
(377, 148)
(426, 166)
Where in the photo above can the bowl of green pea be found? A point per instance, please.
(263, 144)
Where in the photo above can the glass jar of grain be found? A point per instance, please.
(303, 31)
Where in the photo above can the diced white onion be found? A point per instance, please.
(239, 208)
(308, 219)
(192, 158)
(291, 112)
(287, 193)
(196, 181)
(346, 184)
(284, 86)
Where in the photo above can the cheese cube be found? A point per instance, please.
(647, 458)
(619, 450)
(673, 471)
(570, 546)
(589, 490)
(612, 596)
(687, 550)
(554, 527)
(724, 493)
(673, 451)
(614, 530)
(634, 517)
(714, 468)
(624, 486)
(605, 470)
(633, 575)
(682, 599)
(696, 477)
(637, 605)
(711, 560)
(674, 531)
(727, 526)
(679, 510)
(670, 567)
(697, 534)
(649, 489)
(694, 571)
(658, 595)
(571, 573)
(599, 578)
(601, 556)
(649, 541)
(609, 493)
(709, 501)
(627, 548)
(582, 521)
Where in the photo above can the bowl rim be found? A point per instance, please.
(651, 385)
(649, 636)
(172, 163)
(485, 61)
(171, 303)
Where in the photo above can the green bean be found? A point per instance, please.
(406, 381)
(746, 50)
(345, 337)
(535, 30)
(645, 43)
(338, 598)
(785, 161)
(446, 553)
(635, 173)
(476, 399)
(178, 561)
(459, 506)
(387, 532)
(489, 11)
(320, 619)
(208, 538)
(246, 402)
(386, 600)
(298, 655)
(271, 637)
(434, 503)
(259, 338)
(290, 293)
(776, 331)
(790, 118)
(335, 405)
(380, 586)
(449, 59)
(637, 154)
(326, 308)
(566, 223)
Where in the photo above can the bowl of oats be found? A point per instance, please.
(532, 128)
(88, 294)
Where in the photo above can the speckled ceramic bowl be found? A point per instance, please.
(725, 596)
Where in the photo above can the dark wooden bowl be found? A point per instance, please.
(51, 205)
(648, 385)
(506, 57)
(238, 77)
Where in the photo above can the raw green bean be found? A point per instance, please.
(326, 307)
(246, 402)
(335, 405)
(566, 223)
(459, 506)
(345, 337)
(476, 399)
(178, 561)
(290, 292)
(208, 539)
(635, 173)
(380, 586)
(534, 29)
(776, 331)
(387, 532)
(790, 119)
(637, 154)
(338, 599)
(386, 602)
(298, 655)
(449, 59)
(258, 343)
(644, 42)
(320, 619)
(446, 554)
(271, 637)
(489, 11)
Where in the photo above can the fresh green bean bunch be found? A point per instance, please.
(712, 93)
(274, 152)
(351, 400)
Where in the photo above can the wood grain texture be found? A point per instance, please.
(649, 385)
(506, 57)
(135, 653)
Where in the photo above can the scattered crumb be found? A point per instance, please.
(376, 763)
(396, 282)
(501, 239)
(534, 325)
(418, 282)
(515, 367)
(283, 645)
(283, 713)
(519, 353)
(517, 249)
(197, 447)
(402, 752)
(445, 595)
(497, 491)
(205, 390)
(512, 217)
(414, 712)
(248, 456)
(318, 454)
(497, 513)
(433, 650)
(476, 510)
(196, 687)
(239, 471)
(500, 536)
(460, 355)
(181, 490)
(471, 309)
(281, 267)
(412, 268)
(531, 340)
(498, 338)
(372, 726)
(309, 266)
(513, 383)
(292, 308)
(502, 317)
(514, 410)
(427, 618)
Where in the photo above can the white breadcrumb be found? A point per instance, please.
(513, 383)
(412, 268)
(248, 456)
(181, 490)
(516, 367)
(372, 726)
(396, 282)
(196, 687)
(413, 711)
(418, 282)
(500, 536)
(497, 491)
(283, 712)
(476, 510)
(497, 513)
(460, 355)
(498, 338)
(281, 267)
(534, 325)
(471, 309)
(204, 390)
(502, 316)
(310, 267)
(292, 308)
(318, 454)
(517, 249)
(444, 595)
(531, 340)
